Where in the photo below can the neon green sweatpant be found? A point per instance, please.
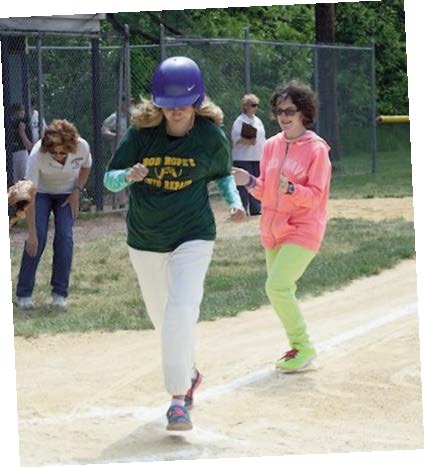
(285, 266)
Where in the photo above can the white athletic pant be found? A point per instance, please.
(172, 289)
(20, 162)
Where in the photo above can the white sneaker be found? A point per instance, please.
(25, 303)
(58, 300)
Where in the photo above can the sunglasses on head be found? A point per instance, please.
(289, 112)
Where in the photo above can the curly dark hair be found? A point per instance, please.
(60, 133)
(302, 96)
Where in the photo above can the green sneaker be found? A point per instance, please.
(296, 359)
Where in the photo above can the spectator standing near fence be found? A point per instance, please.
(113, 132)
(174, 147)
(294, 186)
(248, 137)
(21, 145)
(59, 167)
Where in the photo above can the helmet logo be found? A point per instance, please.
(190, 88)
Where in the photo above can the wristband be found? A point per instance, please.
(290, 188)
(251, 183)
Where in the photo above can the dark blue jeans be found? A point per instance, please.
(63, 245)
(250, 204)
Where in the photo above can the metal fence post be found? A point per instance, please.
(96, 100)
(373, 111)
(248, 85)
(162, 42)
(26, 98)
(5, 44)
(40, 85)
(127, 70)
(316, 83)
(121, 94)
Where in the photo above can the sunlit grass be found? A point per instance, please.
(104, 293)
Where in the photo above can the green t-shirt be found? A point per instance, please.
(171, 205)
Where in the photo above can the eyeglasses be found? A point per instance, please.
(289, 112)
(253, 105)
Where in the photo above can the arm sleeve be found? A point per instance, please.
(228, 191)
(319, 174)
(114, 180)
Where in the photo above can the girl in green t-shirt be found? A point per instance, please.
(172, 150)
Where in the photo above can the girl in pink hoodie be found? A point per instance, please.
(293, 186)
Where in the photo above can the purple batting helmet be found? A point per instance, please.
(177, 82)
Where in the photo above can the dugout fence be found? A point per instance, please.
(84, 78)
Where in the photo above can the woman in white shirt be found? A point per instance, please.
(248, 137)
(59, 166)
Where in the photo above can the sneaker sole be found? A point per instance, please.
(181, 426)
(294, 370)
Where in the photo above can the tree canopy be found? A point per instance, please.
(356, 23)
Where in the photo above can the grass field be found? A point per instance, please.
(393, 177)
(105, 295)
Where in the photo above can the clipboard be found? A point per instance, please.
(248, 131)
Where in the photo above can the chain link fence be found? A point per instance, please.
(86, 79)
(66, 78)
(346, 118)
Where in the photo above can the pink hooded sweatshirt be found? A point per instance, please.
(300, 217)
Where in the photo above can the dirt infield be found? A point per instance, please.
(99, 398)
(370, 209)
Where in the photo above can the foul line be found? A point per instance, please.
(153, 414)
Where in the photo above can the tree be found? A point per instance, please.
(327, 76)
(384, 21)
(355, 24)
